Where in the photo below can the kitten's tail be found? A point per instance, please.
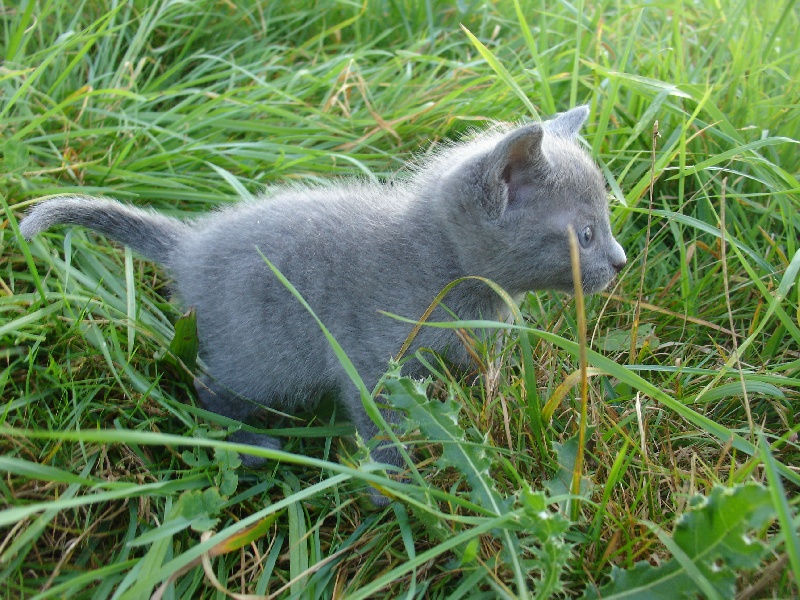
(145, 231)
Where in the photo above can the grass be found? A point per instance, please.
(116, 484)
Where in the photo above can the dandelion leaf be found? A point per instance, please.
(714, 535)
(438, 421)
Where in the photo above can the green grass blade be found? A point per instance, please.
(502, 72)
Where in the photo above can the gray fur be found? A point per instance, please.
(498, 207)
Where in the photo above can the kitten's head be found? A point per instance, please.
(513, 200)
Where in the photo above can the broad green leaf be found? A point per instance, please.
(227, 479)
(567, 454)
(716, 527)
(470, 552)
(438, 421)
(200, 507)
(714, 535)
(182, 355)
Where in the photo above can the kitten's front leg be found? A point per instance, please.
(383, 449)
(217, 398)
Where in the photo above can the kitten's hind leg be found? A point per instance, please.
(222, 401)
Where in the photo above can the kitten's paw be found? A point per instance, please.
(254, 439)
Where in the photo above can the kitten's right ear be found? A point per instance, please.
(569, 123)
(512, 164)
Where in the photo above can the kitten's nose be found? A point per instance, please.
(618, 258)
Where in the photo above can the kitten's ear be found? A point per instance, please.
(512, 164)
(569, 123)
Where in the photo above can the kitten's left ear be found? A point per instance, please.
(569, 123)
(510, 166)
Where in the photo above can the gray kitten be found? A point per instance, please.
(498, 207)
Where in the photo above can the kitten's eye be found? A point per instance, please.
(586, 236)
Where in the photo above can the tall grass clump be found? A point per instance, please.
(657, 458)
